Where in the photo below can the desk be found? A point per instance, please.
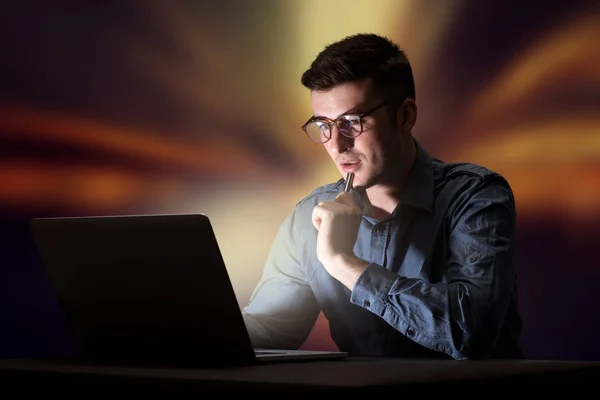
(351, 375)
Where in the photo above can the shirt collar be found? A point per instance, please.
(420, 184)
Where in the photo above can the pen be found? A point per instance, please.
(349, 179)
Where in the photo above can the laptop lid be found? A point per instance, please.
(146, 289)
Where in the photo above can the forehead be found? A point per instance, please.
(341, 98)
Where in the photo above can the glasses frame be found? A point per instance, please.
(331, 122)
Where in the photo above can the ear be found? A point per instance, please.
(406, 116)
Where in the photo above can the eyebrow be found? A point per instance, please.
(353, 110)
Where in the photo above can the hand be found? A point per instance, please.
(337, 221)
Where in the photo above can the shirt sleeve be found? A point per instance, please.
(461, 316)
(282, 309)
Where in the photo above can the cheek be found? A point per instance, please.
(329, 149)
(378, 150)
(370, 146)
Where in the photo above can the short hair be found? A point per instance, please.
(362, 56)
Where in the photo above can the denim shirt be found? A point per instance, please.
(441, 278)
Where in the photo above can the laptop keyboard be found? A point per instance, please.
(259, 352)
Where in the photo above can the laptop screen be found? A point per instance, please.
(144, 288)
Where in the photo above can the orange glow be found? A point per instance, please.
(160, 148)
(552, 165)
(36, 184)
(573, 191)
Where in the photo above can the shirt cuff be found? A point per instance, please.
(372, 288)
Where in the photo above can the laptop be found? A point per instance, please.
(149, 290)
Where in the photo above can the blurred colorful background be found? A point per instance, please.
(119, 107)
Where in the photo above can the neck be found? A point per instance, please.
(384, 198)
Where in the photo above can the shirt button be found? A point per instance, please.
(367, 303)
(410, 332)
(473, 258)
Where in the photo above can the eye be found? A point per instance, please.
(349, 124)
(350, 118)
(322, 126)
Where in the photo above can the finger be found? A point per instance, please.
(316, 221)
(316, 217)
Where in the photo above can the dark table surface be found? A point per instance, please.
(353, 374)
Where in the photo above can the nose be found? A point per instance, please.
(338, 142)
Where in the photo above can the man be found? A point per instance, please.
(417, 260)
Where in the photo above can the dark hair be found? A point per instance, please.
(360, 56)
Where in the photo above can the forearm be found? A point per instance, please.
(287, 331)
(444, 317)
(257, 333)
(282, 309)
(346, 268)
(457, 318)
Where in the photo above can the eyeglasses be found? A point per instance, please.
(318, 129)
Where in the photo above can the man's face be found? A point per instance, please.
(374, 155)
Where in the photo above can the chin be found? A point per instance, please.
(370, 181)
(360, 183)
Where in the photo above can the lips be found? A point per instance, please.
(349, 165)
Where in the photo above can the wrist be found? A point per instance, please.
(346, 268)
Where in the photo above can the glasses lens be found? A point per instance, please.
(318, 131)
(349, 125)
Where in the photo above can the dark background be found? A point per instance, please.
(116, 107)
